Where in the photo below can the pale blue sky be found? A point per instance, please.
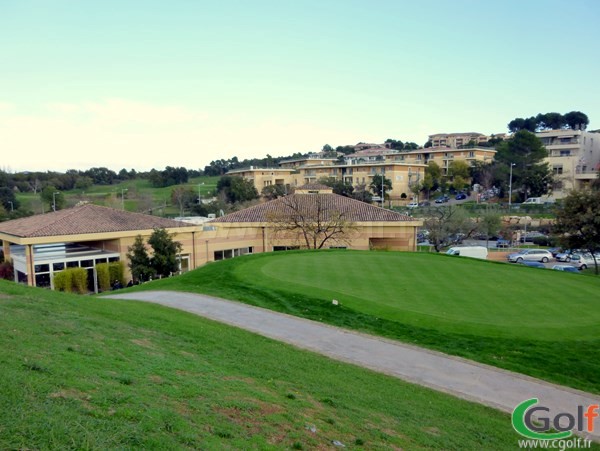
(152, 83)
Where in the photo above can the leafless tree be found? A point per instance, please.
(311, 220)
(448, 225)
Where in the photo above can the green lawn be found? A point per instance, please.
(82, 372)
(538, 322)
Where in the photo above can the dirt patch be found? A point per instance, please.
(433, 431)
(70, 393)
(144, 343)
(5, 296)
(156, 379)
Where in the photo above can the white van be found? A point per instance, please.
(533, 200)
(469, 251)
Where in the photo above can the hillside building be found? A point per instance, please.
(573, 156)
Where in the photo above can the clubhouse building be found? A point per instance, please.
(87, 235)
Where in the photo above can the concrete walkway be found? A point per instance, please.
(463, 378)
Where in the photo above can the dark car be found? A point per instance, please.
(502, 243)
(461, 196)
(424, 204)
(441, 200)
(534, 264)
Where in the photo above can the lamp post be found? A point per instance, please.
(54, 200)
(510, 186)
(382, 187)
(123, 191)
(12, 207)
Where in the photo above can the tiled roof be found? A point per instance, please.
(82, 220)
(314, 187)
(353, 210)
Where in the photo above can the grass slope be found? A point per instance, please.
(90, 373)
(542, 323)
(137, 190)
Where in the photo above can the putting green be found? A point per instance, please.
(439, 292)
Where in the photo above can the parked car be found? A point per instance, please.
(461, 196)
(529, 236)
(555, 251)
(564, 256)
(566, 268)
(531, 255)
(441, 200)
(502, 243)
(584, 261)
(425, 203)
(534, 264)
(413, 205)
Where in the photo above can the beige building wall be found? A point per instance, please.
(399, 236)
(573, 157)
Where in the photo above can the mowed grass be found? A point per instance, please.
(89, 373)
(538, 322)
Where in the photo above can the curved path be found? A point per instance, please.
(460, 377)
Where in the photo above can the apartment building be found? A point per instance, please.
(573, 156)
(443, 156)
(456, 140)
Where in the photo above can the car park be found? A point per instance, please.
(531, 255)
(566, 268)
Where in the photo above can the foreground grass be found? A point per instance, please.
(542, 323)
(89, 373)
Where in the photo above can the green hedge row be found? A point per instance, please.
(73, 280)
(108, 273)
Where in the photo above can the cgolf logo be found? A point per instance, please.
(537, 429)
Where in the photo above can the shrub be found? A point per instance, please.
(62, 280)
(78, 280)
(103, 273)
(7, 270)
(116, 271)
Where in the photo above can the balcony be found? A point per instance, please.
(585, 174)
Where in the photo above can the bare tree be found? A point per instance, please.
(311, 220)
(448, 225)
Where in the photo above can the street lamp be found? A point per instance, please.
(510, 186)
(54, 200)
(12, 207)
(123, 190)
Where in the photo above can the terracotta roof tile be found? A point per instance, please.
(82, 220)
(353, 210)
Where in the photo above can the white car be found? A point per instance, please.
(584, 261)
(530, 255)
(413, 205)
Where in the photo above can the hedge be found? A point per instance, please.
(71, 280)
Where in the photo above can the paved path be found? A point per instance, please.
(463, 378)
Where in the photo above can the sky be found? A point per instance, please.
(146, 84)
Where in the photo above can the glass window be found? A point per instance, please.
(72, 264)
(42, 268)
(113, 259)
(87, 263)
(42, 280)
(101, 260)
(58, 266)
